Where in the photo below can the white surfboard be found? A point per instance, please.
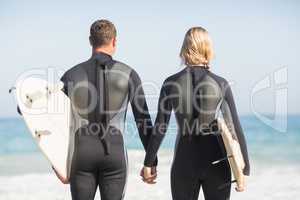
(234, 153)
(46, 111)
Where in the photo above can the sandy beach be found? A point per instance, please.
(30, 178)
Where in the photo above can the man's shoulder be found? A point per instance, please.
(78, 68)
(121, 65)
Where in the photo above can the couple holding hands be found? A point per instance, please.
(100, 90)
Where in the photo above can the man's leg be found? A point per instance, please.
(84, 173)
(113, 175)
(83, 185)
(113, 189)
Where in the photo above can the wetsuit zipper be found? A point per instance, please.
(102, 105)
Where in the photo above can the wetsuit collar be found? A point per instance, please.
(198, 68)
(102, 57)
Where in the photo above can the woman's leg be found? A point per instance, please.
(185, 182)
(192, 169)
(184, 185)
(216, 176)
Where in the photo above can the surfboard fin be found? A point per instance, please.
(40, 133)
(221, 187)
(222, 159)
(11, 89)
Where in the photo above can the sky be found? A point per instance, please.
(252, 40)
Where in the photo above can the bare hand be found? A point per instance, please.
(240, 186)
(62, 179)
(149, 174)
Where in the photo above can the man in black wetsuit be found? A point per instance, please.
(100, 90)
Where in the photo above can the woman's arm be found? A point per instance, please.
(160, 127)
(238, 128)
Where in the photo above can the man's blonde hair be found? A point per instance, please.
(197, 47)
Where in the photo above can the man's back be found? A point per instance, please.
(100, 90)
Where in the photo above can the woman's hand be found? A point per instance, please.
(62, 179)
(241, 186)
(149, 174)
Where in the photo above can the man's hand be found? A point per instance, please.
(149, 174)
(63, 180)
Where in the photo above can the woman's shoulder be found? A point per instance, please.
(222, 82)
(218, 78)
(175, 77)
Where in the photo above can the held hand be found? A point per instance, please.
(149, 174)
(62, 179)
(240, 186)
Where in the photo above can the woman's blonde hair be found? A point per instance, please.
(197, 47)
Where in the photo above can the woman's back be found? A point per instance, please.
(194, 94)
(197, 96)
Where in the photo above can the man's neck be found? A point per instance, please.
(102, 50)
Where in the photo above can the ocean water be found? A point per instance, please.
(274, 158)
(264, 142)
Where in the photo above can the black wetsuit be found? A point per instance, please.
(100, 90)
(194, 94)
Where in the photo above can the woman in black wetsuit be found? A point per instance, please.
(193, 94)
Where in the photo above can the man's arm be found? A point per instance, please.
(140, 109)
(66, 81)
